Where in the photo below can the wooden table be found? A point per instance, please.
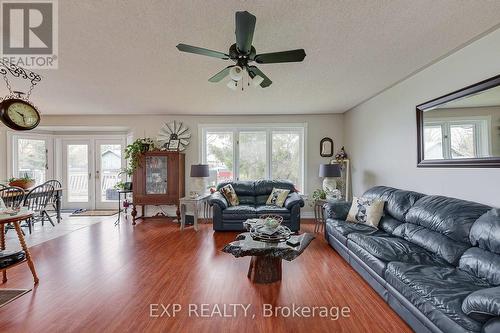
(16, 219)
(265, 265)
(58, 196)
(195, 204)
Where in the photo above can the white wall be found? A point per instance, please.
(381, 135)
(318, 126)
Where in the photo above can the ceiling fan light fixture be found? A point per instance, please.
(257, 80)
(233, 85)
(236, 73)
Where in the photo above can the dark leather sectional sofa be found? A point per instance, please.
(435, 260)
(253, 196)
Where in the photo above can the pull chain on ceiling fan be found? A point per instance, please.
(243, 54)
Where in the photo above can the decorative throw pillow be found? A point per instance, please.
(366, 211)
(230, 195)
(277, 197)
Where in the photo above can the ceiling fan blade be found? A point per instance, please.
(201, 51)
(245, 26)
(285, 56)
(222, 74)
(254, 71)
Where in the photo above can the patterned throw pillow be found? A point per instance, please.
(230, 195)
(366, 211)
(277, 197)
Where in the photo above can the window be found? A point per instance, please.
(30, 158)
(254, 152)
(454, 138)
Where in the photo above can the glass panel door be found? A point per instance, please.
(156, 174)
(109, 162)
(252, 153)
(77, 169)
(32, 159)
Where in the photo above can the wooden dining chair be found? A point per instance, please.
(52, 201)
(13, 197)
(37, 200)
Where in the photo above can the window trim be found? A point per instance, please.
(237, 128)
(12, 151)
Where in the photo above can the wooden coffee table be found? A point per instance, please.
(265, 265)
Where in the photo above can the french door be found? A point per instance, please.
(91, 168)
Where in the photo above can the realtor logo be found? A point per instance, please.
(29, 33)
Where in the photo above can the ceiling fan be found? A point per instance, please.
(244, 54)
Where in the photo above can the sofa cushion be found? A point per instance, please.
(246, 200)
(270, 209)
(242, 188)
(435, 242)
(240, 212)
(340, 229)
(389, 224)
(482, 264)
(482, 304)
(388, 248)
(366, 211)
(265, 187)
(448, 216)
(277, 197)
(436, 291)
(398, 202)
(229, 193)
(485, 232)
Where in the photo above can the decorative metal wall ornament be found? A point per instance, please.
(16, 111)
(174, 130)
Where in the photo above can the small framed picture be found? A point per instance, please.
(173, 145)
(326, 147)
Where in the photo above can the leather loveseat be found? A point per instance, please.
(435, 260)
(253, 196)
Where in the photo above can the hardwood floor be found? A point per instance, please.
(103, 279)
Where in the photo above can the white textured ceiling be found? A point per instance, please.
(119, 57)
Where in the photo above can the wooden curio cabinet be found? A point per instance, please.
(159, 180)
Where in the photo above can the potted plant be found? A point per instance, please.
(318, 194)
(133, 153)
(24, 182)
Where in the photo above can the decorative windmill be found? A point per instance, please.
(172, 133)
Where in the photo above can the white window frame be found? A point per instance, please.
(12, 152)
(482, 126)
(235, 129)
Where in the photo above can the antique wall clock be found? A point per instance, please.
(16, 111)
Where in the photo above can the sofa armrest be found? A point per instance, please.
(218, 199)
(336, 210)
(482, 304)
(293, 199)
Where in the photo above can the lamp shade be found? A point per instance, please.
(199, 170)
(329, 170)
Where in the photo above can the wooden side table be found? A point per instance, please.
(319, 215)
(15, 219)
(194, 203)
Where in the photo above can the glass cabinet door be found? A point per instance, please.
(156, 174)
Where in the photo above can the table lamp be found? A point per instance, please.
(329, 172)
(199, 173)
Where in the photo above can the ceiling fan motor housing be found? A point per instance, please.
(236, 55)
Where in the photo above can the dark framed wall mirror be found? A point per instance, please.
(461, 129)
